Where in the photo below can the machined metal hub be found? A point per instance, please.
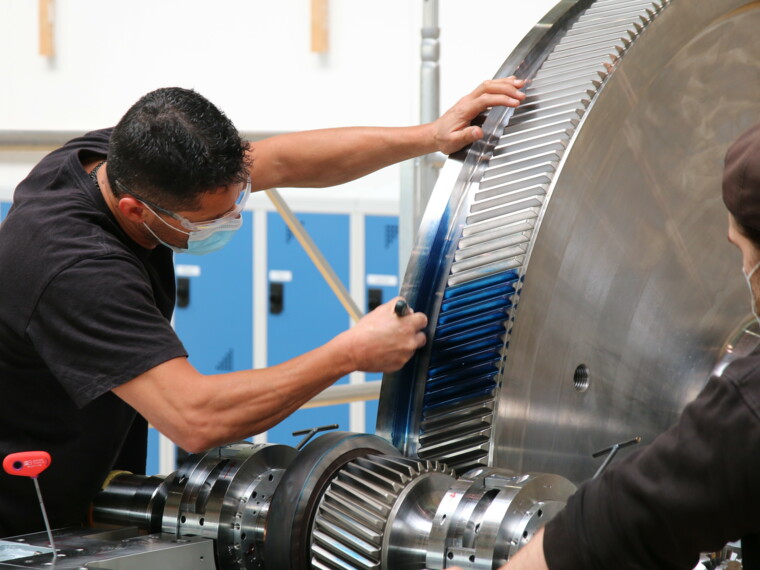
(346, 501)
(223, 494)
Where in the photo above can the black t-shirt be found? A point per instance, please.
(83, 309)
(695, 488)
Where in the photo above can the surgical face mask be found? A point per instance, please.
(747, 278)
(203, 241)
(202, 237)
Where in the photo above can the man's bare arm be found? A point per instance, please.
(199, 411)
(328, 157)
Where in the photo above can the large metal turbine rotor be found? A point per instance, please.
(578, 278)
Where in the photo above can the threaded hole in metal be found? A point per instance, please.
(581, 378)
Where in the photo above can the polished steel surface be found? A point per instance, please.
(132, 500)
(630, 273)
(489, 514)
(223, 494)
(577, 276)
(411, 519)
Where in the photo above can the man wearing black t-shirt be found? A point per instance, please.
(87, 288)
(697, 486)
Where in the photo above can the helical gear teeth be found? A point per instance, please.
(352, 515)
(461, 377)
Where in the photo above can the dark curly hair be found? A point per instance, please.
(174, 145)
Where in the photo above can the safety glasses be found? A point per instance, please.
(233, 213)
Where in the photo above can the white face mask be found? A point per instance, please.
(747, 278)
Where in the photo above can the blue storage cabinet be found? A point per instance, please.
(381, 280)
(214, 312)
(304, 313)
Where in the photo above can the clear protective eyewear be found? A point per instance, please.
(206, 225)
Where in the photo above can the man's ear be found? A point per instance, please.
(132, 209)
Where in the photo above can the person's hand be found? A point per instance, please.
(382, 341)
(453, 131)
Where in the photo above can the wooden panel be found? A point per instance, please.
(46, 28)
(319, 26)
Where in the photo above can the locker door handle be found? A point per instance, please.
(374, 298)
(183, 292)
(276, 298)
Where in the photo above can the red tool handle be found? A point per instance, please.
(26, 463)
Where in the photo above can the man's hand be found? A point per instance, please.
(452, 131)
(382, 341)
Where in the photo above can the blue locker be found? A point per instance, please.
(381, 280)
(214, 312)
(4, 207)
(304, 313)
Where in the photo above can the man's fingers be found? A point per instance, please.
(487, 100)
(507, 86)
(420, 320)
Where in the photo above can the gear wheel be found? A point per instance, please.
(352, 518)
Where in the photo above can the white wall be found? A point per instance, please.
(250, 57)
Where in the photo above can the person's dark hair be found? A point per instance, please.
(174, 145)
(751, 234)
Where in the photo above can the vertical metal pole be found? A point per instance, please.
(430, 102)
(425, 168)
(430, 52)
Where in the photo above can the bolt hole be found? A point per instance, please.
(540, 513)
(477, 528)
(183, 519)
(450, 555)
(201, 521)
(581, 378)
(253, 495)
(271, 477)
(525, 534)
(242, 536)
(472, 558)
